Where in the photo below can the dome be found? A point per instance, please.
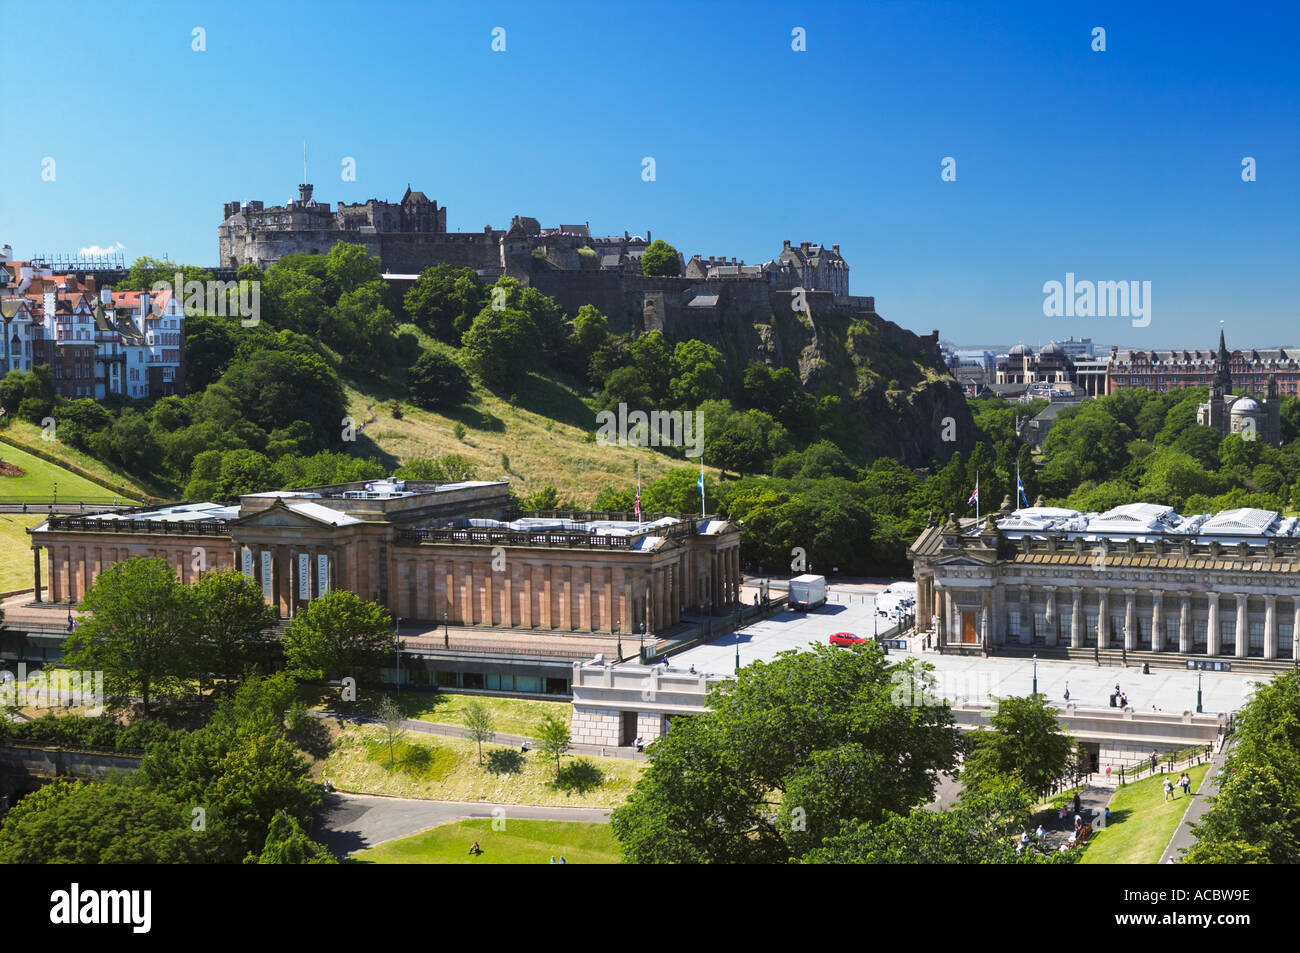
(1245, 406)
(1052, 350)
(1019, 351)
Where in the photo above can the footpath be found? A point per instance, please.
(1200, 803)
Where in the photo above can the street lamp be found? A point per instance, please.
(641, 651)
(1035, 673)
(619, 636)
(446, 634)
(1123, 649)
(1199, 673)
(397, 652)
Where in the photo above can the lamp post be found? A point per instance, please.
(641, 652)
(397, 653)
(1199, 673)
(737, 651)
(1123, 649)
(446, 633)
(619, 636)
(1035, 673)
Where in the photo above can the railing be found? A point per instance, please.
(510, 537)
(75, 524)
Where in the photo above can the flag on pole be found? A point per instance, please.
(638, 493)
(975, 497)
(700, 484)
(1020, 488)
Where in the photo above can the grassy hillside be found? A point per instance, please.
(42, 477)
(122, 485)
(547, 434)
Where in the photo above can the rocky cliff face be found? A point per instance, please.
(901, 398)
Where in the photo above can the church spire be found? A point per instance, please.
(1222, 373)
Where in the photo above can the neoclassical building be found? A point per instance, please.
(428, 552)
(1140, 577)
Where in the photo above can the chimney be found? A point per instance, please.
(7, 252)
(787, 243)
(90, 285)
(836, 249)
(803, 246)
(647, 236)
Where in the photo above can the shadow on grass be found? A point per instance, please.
(504, 761)
(475, 418)
(311, 735)
(579, 777)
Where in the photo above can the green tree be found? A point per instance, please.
(478, 725)
(140, 631)
(338, 635)
(1256, 816)
(437, 380)
(391, 719)
(1026, 742)
(696, 374)
(785, 754)
(502, 346)
(980, 829)
(660, 258)
(444, 300)
(286, 843)
(553, 739)
(110, 822)
(234, 621)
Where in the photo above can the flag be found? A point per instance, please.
(974, 497)
(1020, 489)
(700, 484)
(637, 504)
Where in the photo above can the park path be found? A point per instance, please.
(346, 823)
(1092, 808)
(1200, 803)
(501, 738)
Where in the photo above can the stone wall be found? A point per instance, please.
(596, 726)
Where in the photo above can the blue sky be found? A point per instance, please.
(1115, 165)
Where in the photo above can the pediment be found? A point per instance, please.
(278, 514)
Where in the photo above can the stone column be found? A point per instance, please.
(1157, 621)
(1076, 617)
(1103, 618)
(1050, 592)
(1185, 623)
(1130, 619)
(1026, 617)
(584, 612)
(1212, 627)
(1243, 628)
(1270, 627)
(36, 570)
(941, 627)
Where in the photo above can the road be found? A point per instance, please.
(347, 823)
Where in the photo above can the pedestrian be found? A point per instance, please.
(1186, 783)
(1039, 833)
(1078, 805)
(1108, 815)
(1154, 758)
(1067, 691)
(562, 860)
(1024, 838)
(552, 858)
(1117, 691)
(1169, 789)
(1065, 812)
(640, 743)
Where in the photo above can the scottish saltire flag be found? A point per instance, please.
(700, 484)
(638, 493)
(1020, 488)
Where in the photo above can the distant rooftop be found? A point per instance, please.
(1146, 520)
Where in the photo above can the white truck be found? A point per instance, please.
(807, 592)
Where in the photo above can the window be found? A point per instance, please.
(1090, 630)
(1066, 622)
(1227, 633)
(1255, 646)
(1200, 627)
(1171, 634)
(1285, 635)
(1040, 628)
(1013, 623)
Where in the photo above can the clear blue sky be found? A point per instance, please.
(1117, 165)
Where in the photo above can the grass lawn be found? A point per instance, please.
(37, 485)
(447, 769)
(522, 842)
(15, 550)
(1141, 822)
(123, 485)
(512, 716)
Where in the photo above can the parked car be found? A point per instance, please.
(845, 638)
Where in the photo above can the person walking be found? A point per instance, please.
(1154, 757)
(1186, 783)
(1169, 789)
(1067, 691)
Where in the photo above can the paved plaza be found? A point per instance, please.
(973, 678)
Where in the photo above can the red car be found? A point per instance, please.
(845, 638)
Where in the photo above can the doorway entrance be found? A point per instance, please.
(969, 636)
(627, 733)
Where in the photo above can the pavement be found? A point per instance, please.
(1183, 837)
(973, 678)
(346, 823)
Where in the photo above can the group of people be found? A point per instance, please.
(1184, 782)
(1118, 699)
